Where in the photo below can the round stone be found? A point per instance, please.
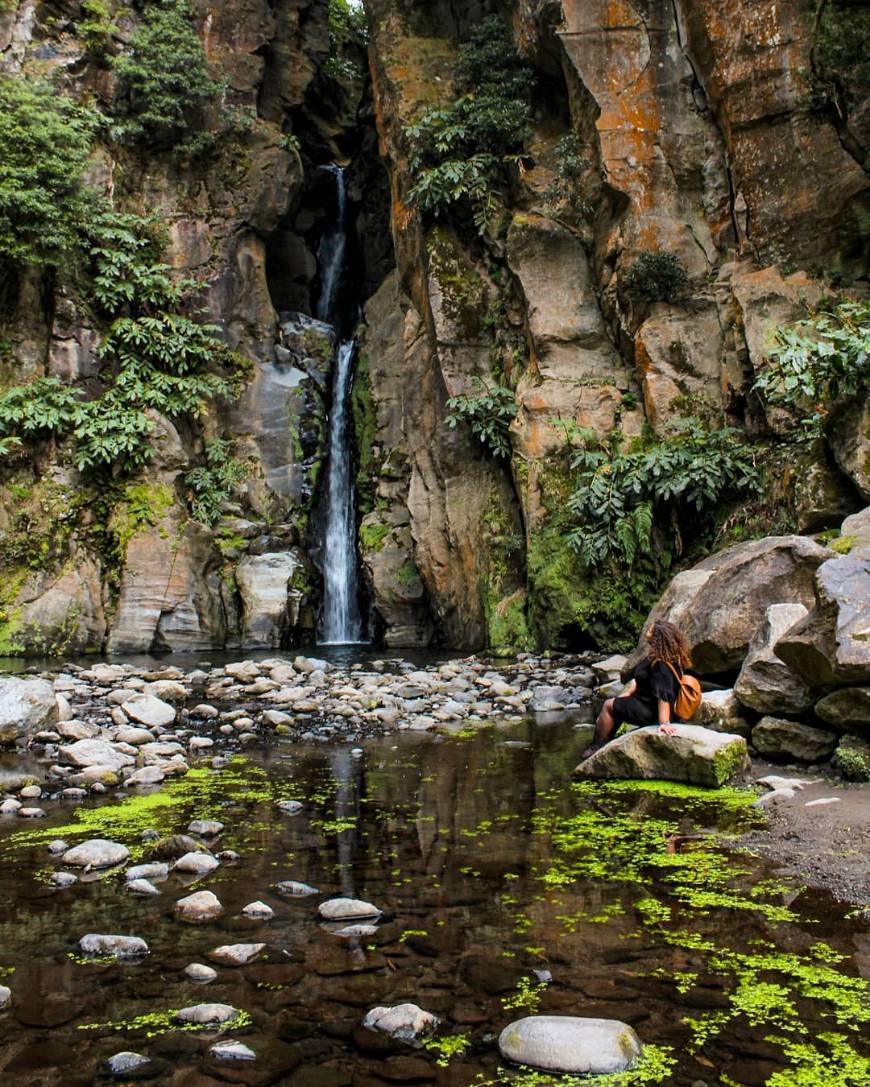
(199, 908)
(119, 947)
(347, 909)
(207, 1013)
(295, 889)
(405, 1022)
(197, 864)
(126, 1064)
(258, 910)
(232, 1051)
(96, 853)
(199, 972)
(564, 1043)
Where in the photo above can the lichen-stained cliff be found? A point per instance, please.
(710, 138)
(723, 142)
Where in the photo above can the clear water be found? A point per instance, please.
(489, 865)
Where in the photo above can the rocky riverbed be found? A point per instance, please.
(370, 912)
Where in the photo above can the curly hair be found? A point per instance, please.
(666, 643)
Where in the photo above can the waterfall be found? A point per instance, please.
(341, 621)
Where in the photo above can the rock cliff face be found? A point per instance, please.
(709, 130)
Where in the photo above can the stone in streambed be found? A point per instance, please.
(206, 828)
(404, 1022)
(127, 1064)
(232, 1051)
(119, 947)
(149, 711)
(235, 954)
(200, 973)
(207, 1013)
(5, 996)
(199, 908)
(197, 864)
(347, 909)
(89, 753)
(141, 887)
(155, 870)
(259, 911)
(27, 706)
(147, 775)
(295, 889)
(694, 755)
(564, 1043)
(96, 853)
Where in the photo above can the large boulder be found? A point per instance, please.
(721, 711)
(695, 755)
(26, 707)
(270, 602)
(847, 710)
(778, 738)
(565, 1043)
(721, 603)
(766, 683)
(831, 646)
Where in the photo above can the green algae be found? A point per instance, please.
(207, 791)
(447, 1047)
(153, 1024)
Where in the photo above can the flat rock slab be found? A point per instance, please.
(564, 1043)
(120, 947)
(347, 909)
(405, 1022)
(236, 954)
(96, 853)
(85, 753)
(232, 1051)
(695, 755)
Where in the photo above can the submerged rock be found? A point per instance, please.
(405, 1022)
(232, 1051)
(295, 889)
(258, 910)
(96, 853)
(141, 887)
(236, 954)
(127, 1064)
(563, 1043)
(694, 755)
(199, 972)
(120, 947)
(207, 828)
(347, 909)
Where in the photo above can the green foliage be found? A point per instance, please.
(96, 27)
(372, 536)
(853, 762)
(657, 277)
(447, 1047)
(460, 152)
(489, 414)
(571, 167)
(152, 356)
(164, 87)
(212, 483)
(818, 361)
(620, 494)
(348, 38)
(44, 143)
(842, 52)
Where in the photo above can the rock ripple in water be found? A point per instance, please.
(96, 853)
(295, 889)
(121, 947)
(347, 909)
(405, 1022)
(564, 1043)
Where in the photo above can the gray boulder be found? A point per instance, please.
(199, 908)
(347, 909)
(848, 710)
(119, 947)
(695, 755)
(847, 430)
(149, 711)
(776, 737)
(202, 1014)
(721, 603)
(96, 853)
(766, 683)
(564, 1043)
(857, 527)
(27, 706)
(721, 712)
(85, 753)
(831, 647)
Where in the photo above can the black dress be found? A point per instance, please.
(655, 682)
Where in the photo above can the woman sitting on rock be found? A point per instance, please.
(654, 687)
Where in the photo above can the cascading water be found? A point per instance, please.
(341, 623)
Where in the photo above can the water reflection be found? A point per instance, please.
(457, 840)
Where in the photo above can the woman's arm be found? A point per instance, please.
(665, 725)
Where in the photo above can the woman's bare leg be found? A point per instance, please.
(605, 726)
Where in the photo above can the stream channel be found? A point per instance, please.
(506, 890)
